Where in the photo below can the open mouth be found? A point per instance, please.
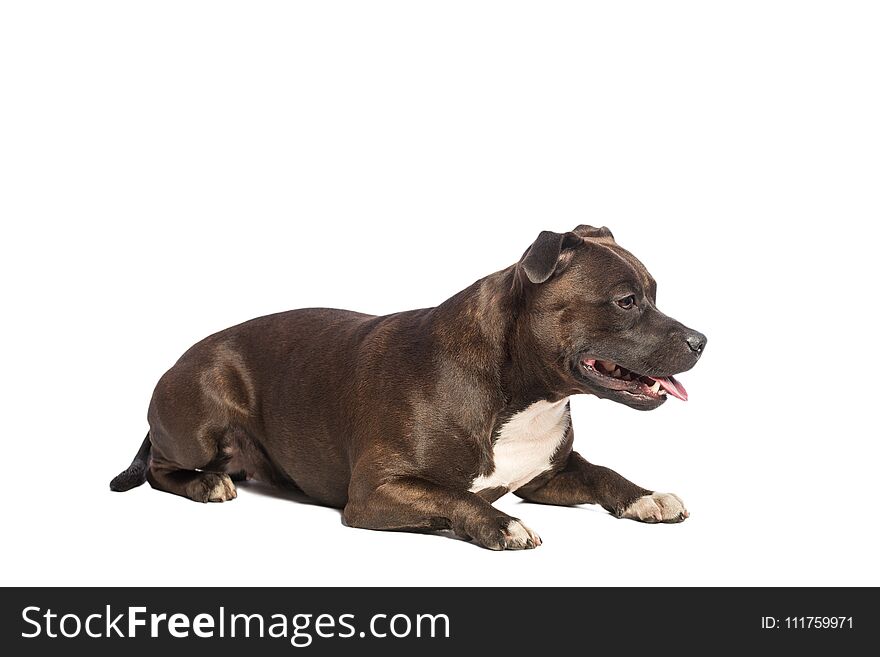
(614, 377)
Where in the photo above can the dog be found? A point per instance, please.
(419, 420)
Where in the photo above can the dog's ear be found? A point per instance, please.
(595, 233)
(542, 258)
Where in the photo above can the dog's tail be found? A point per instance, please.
(136, 474)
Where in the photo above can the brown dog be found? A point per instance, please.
(419, 420)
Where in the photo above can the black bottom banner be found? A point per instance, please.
(437, 620)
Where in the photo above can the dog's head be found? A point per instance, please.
(593, 314)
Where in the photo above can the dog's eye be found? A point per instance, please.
(627, 302)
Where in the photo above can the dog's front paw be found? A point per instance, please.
(657, 507)
(517, 536)
(509, 534)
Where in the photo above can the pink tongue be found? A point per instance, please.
(672, 386)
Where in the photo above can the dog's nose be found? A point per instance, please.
(696, 341)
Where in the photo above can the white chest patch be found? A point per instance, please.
(526, 444)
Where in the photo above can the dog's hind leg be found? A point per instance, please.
(194, 484)
(192, 467)
(196, 417)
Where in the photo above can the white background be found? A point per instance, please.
(168, 169)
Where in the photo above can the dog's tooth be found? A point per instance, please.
(616, 373)
(656, 387)
(608, 365)
(662, 392)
